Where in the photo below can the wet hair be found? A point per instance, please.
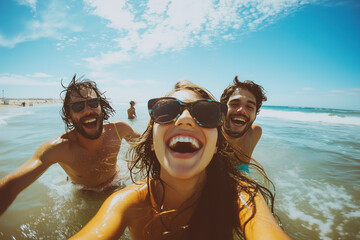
(132, 102)
(257, 90)
(216, 214)
(75, 87)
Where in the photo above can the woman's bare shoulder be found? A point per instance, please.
(132, 194)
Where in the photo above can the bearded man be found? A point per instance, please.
(244, 100)
(87, 151)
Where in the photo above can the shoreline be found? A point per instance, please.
(27, 102)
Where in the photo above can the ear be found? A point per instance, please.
(152, 147)
(69, 120)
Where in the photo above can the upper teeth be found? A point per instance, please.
(239, 119)
(191, 140)
(90, 120)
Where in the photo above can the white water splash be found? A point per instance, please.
(310, 117)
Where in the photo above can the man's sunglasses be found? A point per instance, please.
(206, 113)
(79, 106)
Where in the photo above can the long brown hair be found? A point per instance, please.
(216, 214)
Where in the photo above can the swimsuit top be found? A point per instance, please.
(117, 132)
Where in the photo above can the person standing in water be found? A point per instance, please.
(244, 100)
(131, 111)
(191, 188)
(87, 151)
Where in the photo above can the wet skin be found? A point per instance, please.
(241, 111)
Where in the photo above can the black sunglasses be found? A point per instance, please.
(79, 106)
(206, 113)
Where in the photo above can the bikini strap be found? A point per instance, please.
(117, 132)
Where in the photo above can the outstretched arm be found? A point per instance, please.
(263, 226)
(12, 184)
(112, 218)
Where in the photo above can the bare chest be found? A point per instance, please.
(91, 168)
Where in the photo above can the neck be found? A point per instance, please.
(180, 191)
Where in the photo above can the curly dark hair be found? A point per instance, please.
(75, 86)
(220, 194)
(257, 90)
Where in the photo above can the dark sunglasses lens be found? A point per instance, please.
(165, 110)
(78, 106)
(93, 103)
(208, 114)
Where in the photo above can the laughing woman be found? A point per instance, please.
(191, 189)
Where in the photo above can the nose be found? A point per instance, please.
(241, 109)
(87, 108)
(185, 120)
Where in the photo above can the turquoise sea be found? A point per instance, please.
(311, 154)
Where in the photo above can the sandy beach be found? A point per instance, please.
(27, 102)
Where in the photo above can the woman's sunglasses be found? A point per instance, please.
(206, 113)
(79, 106)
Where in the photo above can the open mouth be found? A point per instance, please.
(90, 122)
(239, 120)
(184, 144)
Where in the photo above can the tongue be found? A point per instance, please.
(184, 147)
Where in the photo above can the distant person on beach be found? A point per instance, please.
(131, 111)
(87, 151)
(191, 190)
(244, 100)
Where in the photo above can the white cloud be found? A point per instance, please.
(30, 3)
(113, 78)
(28, 80)
(308, 89)
(51, 22)
(109, 58)
(66, 41)
(159, 26)
(39, 75)
(349, 91)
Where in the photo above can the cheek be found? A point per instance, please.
(229, 112)
(252, 114)
(211, 136)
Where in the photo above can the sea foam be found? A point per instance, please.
(310, 117)
(314, 202)
(7, 114)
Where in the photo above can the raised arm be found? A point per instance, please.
(263, 226)
(12, 184)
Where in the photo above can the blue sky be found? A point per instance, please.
(303, 52)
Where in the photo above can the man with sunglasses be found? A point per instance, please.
(244, 100)
(87, 151)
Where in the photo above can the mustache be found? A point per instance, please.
(97, 116)
(239, 115)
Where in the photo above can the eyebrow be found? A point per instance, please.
(252, 102)
(248, 101)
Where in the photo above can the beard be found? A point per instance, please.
(79, 127)
(233, 133)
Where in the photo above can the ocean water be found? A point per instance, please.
(312, 156)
